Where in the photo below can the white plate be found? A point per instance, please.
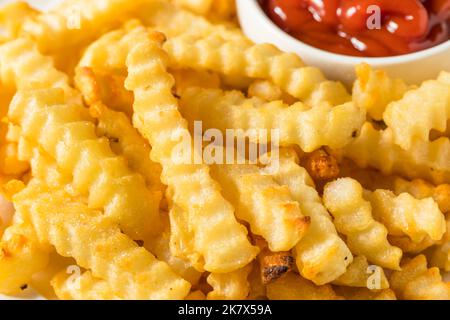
(29, 293)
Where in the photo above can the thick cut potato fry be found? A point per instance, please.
(109, 253)
(263, 203)
(218, 237)
(374, 90)
(353, 218)
(417, 282)
(293, 287)
(405, 215)
(414, 116)
(321, 256)
(296, 124)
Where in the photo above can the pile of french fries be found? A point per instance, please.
(350, 201)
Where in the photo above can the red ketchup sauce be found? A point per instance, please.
(350, 27)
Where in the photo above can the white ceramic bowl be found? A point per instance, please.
(413, 68)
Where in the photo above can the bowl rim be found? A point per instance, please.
(405, 58)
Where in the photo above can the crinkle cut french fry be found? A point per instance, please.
(360, 274)
(131, 271)
(418, 282)
(196, 295)
(405, 215)
(82, 287)
(291, 286)
(74, 23)
(264, 204)
(421, 189)
(296, 124)
(374, 90)
(321, 256)
(418, 112)
(66, 133)
(230, 286)
(353, 218)
(22, 67)
(260, 61)
(218, 237)
(376, 149)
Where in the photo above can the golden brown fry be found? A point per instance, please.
(309, 128)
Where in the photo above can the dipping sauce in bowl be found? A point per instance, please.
(365, 28)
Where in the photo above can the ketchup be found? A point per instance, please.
(350, 26)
